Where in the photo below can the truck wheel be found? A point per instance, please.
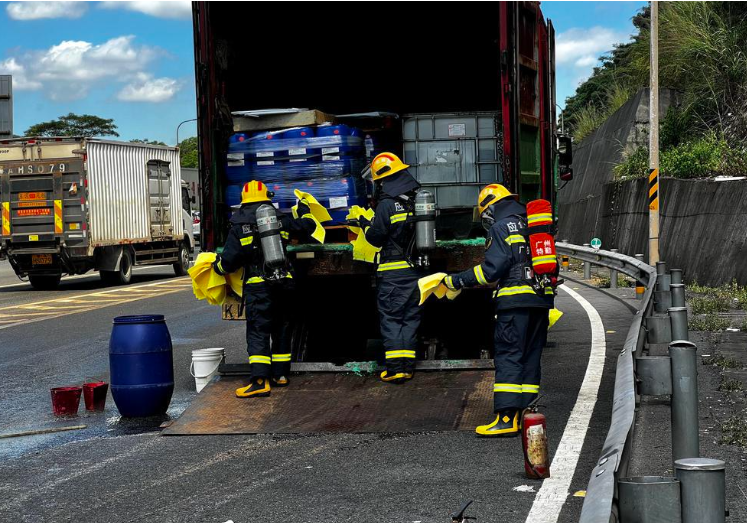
(124, 275)
(182, 266)
(45, 282)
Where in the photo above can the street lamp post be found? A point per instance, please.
(562, 127)
(178, 126)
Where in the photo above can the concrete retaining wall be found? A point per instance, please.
(703, 225)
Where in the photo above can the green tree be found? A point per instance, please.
(146, 141)
(188, 152)
(75, 125)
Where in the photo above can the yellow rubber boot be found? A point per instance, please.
(506, 425)
(392, 378)
(258, 388)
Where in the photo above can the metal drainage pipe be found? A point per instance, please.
(703, 489)
(685, 437)
(649, 499)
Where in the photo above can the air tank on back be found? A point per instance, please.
(269, 233)
(425, 225)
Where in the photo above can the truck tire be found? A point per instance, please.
(45, 282)
(124, 275)
(182, 266)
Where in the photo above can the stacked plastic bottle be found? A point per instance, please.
(326, 162)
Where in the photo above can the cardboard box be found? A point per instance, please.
(280, 121)
(230, 309)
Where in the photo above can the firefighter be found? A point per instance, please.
(397, 277)
(521, 308)
(268, 298)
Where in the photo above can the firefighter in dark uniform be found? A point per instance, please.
(522, 308)
(397, 277)
(268, 299)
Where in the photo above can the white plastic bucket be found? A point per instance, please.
(205, 363)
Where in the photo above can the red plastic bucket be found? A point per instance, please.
(65, 400)
(94, 394)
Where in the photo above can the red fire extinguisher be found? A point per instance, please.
(534, 441)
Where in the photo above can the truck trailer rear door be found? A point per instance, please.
(159, 190)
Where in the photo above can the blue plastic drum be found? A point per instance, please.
(141, 365)
(333, 130)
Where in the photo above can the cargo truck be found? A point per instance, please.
(72, 205)
(472, 87)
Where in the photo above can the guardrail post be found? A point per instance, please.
(649, 499)
(662, 294)
(587, 266)
(685, 437)
(678, 320)
(703, 489)
(564, 260)
(675, 276)
(662, 278)
(678, 294)
(639, 289)
(613, 274)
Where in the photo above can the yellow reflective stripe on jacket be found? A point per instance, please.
(480, 275)
(539, 260)
(529, 388)
(220, 266)
(391, 354)
(392, 266)
(259, 359)
(549, 290)
(247, 240)
(285, 234)
(281, 357)
(260, 279)
(514, 238)
(396, 218)
(511, 291)
(507, 387)
(541, 217)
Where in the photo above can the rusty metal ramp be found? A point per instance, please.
(318, 403)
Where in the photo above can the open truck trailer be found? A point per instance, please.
(420, 63)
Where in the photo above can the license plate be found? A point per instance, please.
(33, 237)
(41, 259)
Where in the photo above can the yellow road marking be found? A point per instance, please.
(23, 314)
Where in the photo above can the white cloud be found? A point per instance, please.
(38, 10)
(21, 81)
(583, 47)
(178, 9)
(70, 69)
(145, 88)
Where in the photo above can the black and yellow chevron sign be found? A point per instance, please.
(653, 189)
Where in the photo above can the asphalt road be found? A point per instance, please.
(119, 470)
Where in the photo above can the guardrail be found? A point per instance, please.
(600, 502)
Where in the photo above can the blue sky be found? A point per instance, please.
(133, 61)
(583, 32)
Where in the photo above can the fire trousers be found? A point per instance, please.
(520, 336)
(399, 315)
(268, 327)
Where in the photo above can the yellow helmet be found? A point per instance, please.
(386, 164)
(491, 194)
(254, 191)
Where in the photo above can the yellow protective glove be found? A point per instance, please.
(362, 250)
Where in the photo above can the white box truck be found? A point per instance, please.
(71, 205)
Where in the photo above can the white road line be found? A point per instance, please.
(554, 491)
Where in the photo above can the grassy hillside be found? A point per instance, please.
(703, 55)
